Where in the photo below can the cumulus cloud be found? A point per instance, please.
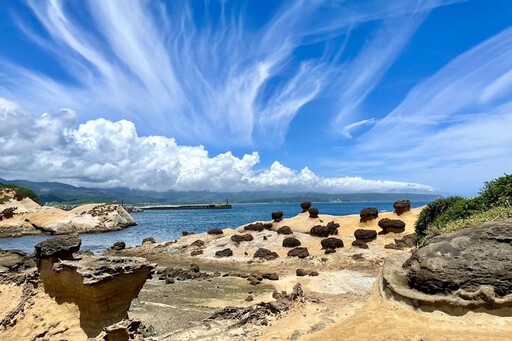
(102, 153)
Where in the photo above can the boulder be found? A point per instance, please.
(301, 252)
(197, 243)
(285, 230)
(149, 240)
(402, 206)
(391, 225)
(359, 243)
(277, 216)
(224, 253)
(118, 246)
(471, 260)
(216, 231)
(367, 214)
(313, 212)
(258, 227)
(333, 227)
(365, 235)
(329, 251)
(331, 243)
(265, 254)
(238, 238)
(305, 205)
(291, 242)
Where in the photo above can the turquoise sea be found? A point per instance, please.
(168, 225)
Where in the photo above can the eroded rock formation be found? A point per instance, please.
(367, 214)
(402, 206)
(305, 205)
(277, 216)
(391, 226)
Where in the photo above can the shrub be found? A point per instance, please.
(22, 192)
(430, 213)
(460, 209)
(497, 192)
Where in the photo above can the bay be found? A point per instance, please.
(167, 225)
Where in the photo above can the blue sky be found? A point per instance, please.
(332, 96)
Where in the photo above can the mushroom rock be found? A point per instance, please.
(258, 227)
(305, 205)
(285, 230)
(301, 252)
(291, 242)
(360, 243)
(367, 214)
(391, 225)
(101, 287)
(216, 231)
(224, 253)
(277, 216)
(313, 212)
(365, 235)
(118, 246)
(402, 206)
(331, 243)
(265, 254)
(238, 238)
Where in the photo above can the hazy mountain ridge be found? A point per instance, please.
(56, 192)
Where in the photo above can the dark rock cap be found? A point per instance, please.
(61, 247)
(305, 205)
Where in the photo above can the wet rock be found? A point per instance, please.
(258, 227)
(265, 254)
(61, 247)
(291, 242)
(367, 214)
(196, 252)
(471, 260)
(238, 238)
(186, 233)
(277, 216)
(149, 240)
(359, 243)
(329, 251)
(331, 243)
(301, 252)
(197, 243)
(284, 230)
(305, 205)
(224, 253)
(391, 226)
(216, 231)
(313, 212)
(365, 235)
(402, 206)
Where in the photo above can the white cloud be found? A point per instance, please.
(346, 131)
(102, 153)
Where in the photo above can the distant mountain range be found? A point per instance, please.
(59, 193)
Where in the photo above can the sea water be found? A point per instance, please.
(167, 225)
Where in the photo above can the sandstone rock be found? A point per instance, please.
(391, 225)
(101, 287)
(285, 230)
(305, 205)
(216, 231)
(291, 242)
(258, 227)
(301, 252)
(403, 243)
(265, 254)
(197, 252)
(149, 240)
(359, 243)
(365, 235)
(277, 216)
(224, 253)
(238, 238)
(468, 260)
(402, 206)
(313, 212)
(128, 329)
(331, 243)
(15, 261)
(197, 243)
(367, 214)
(118, 246)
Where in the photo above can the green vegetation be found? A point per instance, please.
(454, 213)
(20, 193)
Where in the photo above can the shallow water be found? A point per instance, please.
(168, 225)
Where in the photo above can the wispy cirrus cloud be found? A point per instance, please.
(208, 78)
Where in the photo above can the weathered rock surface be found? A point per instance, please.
(360, 244)
(305, 205)
(469, 260)
(405, 242)
(265, 254)
(197, 243)
(193, 273)
(101, 287)
(300, 252)
(258, 227)
(129, 329)
(216, 231)
(313, 212)
(224, 253)
(331, 243)
(402, 206)
(149, 240)
(277, 216)
(324, 231)
(15, 261)
(291, 242)
(238, 238)
(368, 213)
(365, 235)
(118, 246)
(391, 226)
(284, 230)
